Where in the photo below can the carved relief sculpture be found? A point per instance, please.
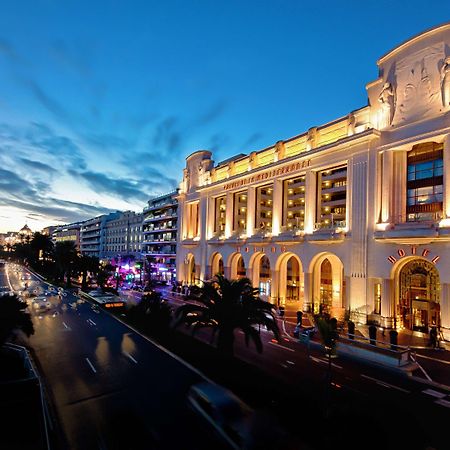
(445, 82)
(311, 138)
(387, 100)
(351, 122)
(279, 151)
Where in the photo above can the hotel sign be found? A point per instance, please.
(401, 253)
(268, 174)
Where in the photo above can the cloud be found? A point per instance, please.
(126, 189)
(251, 140)
(37, 165)
(214, 112)
(7, 49)
(18, 192)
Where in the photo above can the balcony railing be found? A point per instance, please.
(332, 225)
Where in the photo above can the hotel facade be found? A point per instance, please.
(353, 215)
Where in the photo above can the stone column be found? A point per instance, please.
(277, 208)
(445, 310)
(310, 201)
(251, 210)
(229, 217)
(399, 186)
(446, 158)
(387, 301)
(307, 291)
(386, 187)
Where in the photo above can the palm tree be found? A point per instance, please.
(41, 245)
(228, 305)
(13, 317)
(65, 254)
(87, 264)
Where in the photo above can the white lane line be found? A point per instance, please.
(91, 322)
(434, 393)
(129, 356)
(281, 346)
(65, 325)
(443, 402)
(290, 362)
(324, 361)
(90, 364)
(387, 385)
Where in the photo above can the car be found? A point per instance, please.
(227, 415)
(41, 303)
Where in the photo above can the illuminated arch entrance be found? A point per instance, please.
(261, 274)
(217, 266)
(190, 270)
(237, 266)
(290, 286)
(418, 295)
(328, 285)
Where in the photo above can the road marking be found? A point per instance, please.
(284, 366)
(90, 364)
(66, 327)
(92, 322)
(443, 402)
(433, 359)
(281, 346)
(387, 385)
(129, 356)
(325, 361)
(290, 362)
(434, 393)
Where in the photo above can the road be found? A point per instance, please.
(404, 410)
(111, 387)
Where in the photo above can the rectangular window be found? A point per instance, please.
(425, 182)
(240, 212)
(332, 198)
(264, 206)
(220, 214)
(294, 203)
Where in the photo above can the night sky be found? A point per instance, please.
(100, 102)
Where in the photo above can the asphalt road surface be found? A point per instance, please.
(111, 388)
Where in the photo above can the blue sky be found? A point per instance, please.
(100, 102)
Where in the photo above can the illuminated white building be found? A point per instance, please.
(351, 215)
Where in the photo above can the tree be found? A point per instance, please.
(65, 254)
(228, 305)
(13, 317)
(41, 245)
(153, 313)
(87, 264)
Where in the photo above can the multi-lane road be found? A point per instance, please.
(111, 387)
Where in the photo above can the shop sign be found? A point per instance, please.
(425, 253)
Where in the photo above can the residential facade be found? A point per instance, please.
(69, 232)
(353, 215)
(123, 236)
(160, 229)
(93, 233)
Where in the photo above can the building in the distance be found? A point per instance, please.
(93, 234)
(69, 232)
(160, 229)
(353, 215)
(123, 237)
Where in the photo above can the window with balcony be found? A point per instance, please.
(294, 203)
(240, 212)
(264, 206)
(332, 198)
(425, 183)
(220, 214)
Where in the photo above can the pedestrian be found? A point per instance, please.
(433, 337)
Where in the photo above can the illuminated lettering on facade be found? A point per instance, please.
(268, 174)
(401, 253)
